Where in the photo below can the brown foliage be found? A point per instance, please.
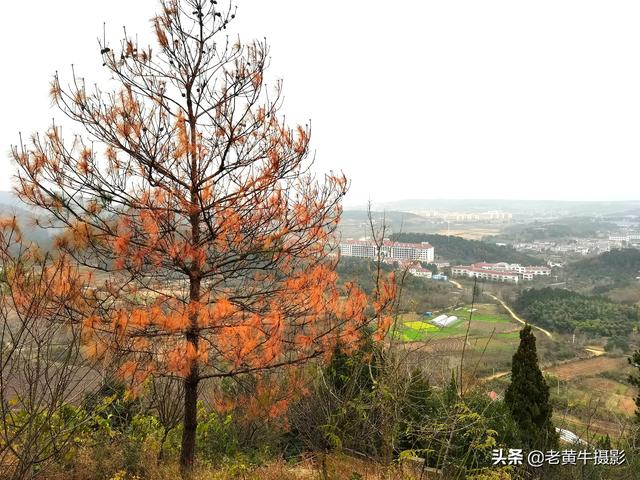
(42, 370)
(195, 198)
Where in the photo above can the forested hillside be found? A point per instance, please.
(418, 294)
(567, 311)
(617, 265)
(461, 250)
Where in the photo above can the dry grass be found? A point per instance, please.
(589, 429)
(588, 367)
(471, 233)
(320, 467)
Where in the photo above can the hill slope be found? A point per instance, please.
(568, 312)
(570, 227)
(461, 250)
(617, 265)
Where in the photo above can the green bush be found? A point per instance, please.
(216, 438)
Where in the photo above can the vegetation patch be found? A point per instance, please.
(616, 264)
(509, 335)
(567, 311)
(461, 250)
(490, 318)
(418, 325)
(588, 367)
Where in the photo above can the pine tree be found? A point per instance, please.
(528, 396)
(192, 207)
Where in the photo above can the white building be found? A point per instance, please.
(619, 238)
(501, 272)
(355, 248)
(420, 272)
(537, 271)
(422, 252)
(471, 271)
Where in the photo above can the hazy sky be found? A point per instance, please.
(412, 99)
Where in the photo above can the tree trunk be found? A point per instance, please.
(187, 454)
(190, 423)
(162, 442)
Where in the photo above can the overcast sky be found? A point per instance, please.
(412, 99)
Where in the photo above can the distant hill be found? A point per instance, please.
(10, 206)
(557, 207)
(569, 227)
(633, 214)
(355, 223)
(392, 216)
(617, 265)
(461, 250)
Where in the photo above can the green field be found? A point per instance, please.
(582, 391)
(485, 319)
(490, 318)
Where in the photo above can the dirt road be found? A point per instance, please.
(517, 318)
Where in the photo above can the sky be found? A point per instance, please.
(430, 99)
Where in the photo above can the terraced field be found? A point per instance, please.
(583, 387)
(587, 368)
(493, 337)
(590, 394)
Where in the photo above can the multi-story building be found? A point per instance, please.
(396, 251)
(619, 238)
(624, 239)
(356, 248)
(536, 270)
(502, 271)
(422, 252)
(484, 274)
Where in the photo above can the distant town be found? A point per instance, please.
(412, 255)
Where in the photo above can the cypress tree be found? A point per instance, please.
(528, 396)
(450, 393)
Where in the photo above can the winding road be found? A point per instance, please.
(593, 350)
(517, 318)
(511, 312)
